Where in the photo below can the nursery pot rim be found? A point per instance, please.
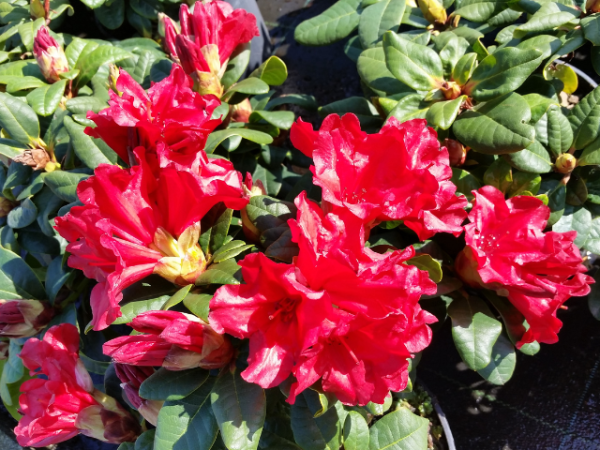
(441, 416)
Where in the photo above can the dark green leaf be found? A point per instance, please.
(220, 273)
(335, 23)
(426, 262)
(23, 215)
(18, 119)
(378, 18)
(172, 385)
(44, 100)
(91, 62)
(64, 184)
(17, 279)
(534, 159)
(310, 433)
(356, 432)
(374, 73)
(502, 365)
(131, 310)
(273, 71)
(219, 136)
(177, 297)
(279, 119)
(111, 14)
(198, 304)
(92, 152)
(399, 430)
(585, 120)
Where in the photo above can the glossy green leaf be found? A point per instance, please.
(378, 18)
(534, 159)
(480, 10)
(93, 4)
(237, 65)
(188, 423)
(23, 215)
(92, 152)
(415, 65)
(198, 304)
(502, 365)
(172, 385)
(91, 62)
(310, 433)
(145, 441)
(374, 73)
(13, 375)
(410, 107)
(131, 310)
(499, 175)
(356, 432)
(442, 114)
(17, 279)
(496, 127)
(588, 229)
(25, 83)
(44, 100)
(548, 17)
(305, 101)
(365, 111)
(56, 277)
(474, 331)
(217, 137)
(502, 72)
(215, 228)
(220, 273)
(81, 105)
(273, 71)
(177, 297)
(11, 148)
(18, 119)
(451, 49)
(399, 430)
(240, 409)
(19, 69)
(427, 263)
(585, 120)
(64, 184)
(266, 213)
(230, 250)
(560, 133)
(279, 119)
(465, 182)
(111, 14)
(335, 23)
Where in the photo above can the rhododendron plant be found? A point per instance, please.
(50, 56)
(400, 173)
(509, 252)
(169, 117)
(134, 223)
(207, 39)
(63, 401)
(171, 339)
(335, 293)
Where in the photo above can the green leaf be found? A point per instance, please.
(111, 14)
(17, 279)
(502, 365)
(131, 310)
(374, 73)
(310, 433)
(534, 159)
(145, 441)
(10, 148)
(399, 430)
(23, 215)
(360, 106)
(177, 297)
(524, 182)
(172, 385)
(230, 250)
(240, 409)
(451, 49)
(474, 331)
(335, 23)
(410, 107)
(496, 127)
(499, 175)
(93, 4)
(544, 43)
(426, 262)
(279, 119)
(64, 184)
(47, 203)
(215, 226)
(378, 18)
(465, 182)
(56, 277)
(81, 105)
(502, 72)
(22, 84)
(220, 273)
(443, 114)
(273, 71)
(92, 152)
(147, 8)
(560, 134)
(266, 213)
(19, 69)
(13, 376)
(198, 304)
(580, 220)
(250, 86)
(548, 17)
(480, 10)
(217, 137)
(585, 120)
(413, 64)
(18, 119)
(91, 62)
(44, 100)
(237, 65)
(188, 423)
(305, 101)
(380, 409)
(356, 432)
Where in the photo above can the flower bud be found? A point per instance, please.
(132, 378)
(250, 230)
(565, 163)
(433, 11)
(49, 55)
(241, 112)
(23, 318)
(167, 28)
(113, 78)
(6, 206)
(456, 151)
(36, 9)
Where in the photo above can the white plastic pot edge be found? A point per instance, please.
(441, 416)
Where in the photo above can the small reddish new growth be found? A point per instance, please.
(49, 55)
(174, 340)
(64, 402)
(509, 252)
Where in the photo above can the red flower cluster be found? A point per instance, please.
(340, 313)
(170, 118)
(508, 251)
(207, 40)
(171, 339)
(400, 173)
(144, 220)
(65, 403)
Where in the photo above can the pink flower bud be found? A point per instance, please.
(456, 152)
(241, 112)
(23, 318)
(132, 378)
(49, 55)
(169, 30)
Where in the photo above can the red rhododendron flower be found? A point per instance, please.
(134, 223)
(169, 115)
(335, 291)
(65, 402)
(207, 40)
(508, 251)
(173, 340)
(49, 55)
(23, 318)
(400, 173)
